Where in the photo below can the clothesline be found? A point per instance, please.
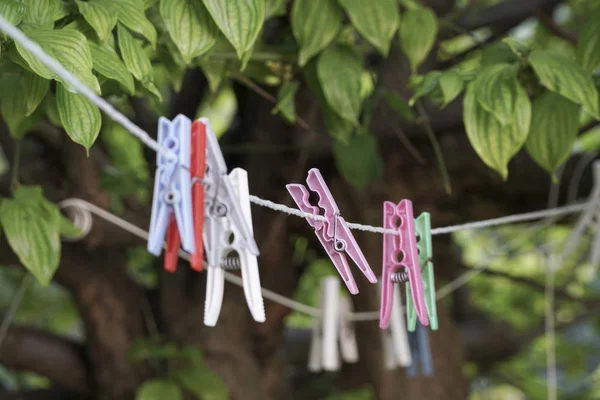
(138, 132)
(82, 210)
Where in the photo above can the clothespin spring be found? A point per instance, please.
(338, 244)
(399, 277)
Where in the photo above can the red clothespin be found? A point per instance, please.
(197, 169)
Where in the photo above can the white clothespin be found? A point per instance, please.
(228, 232)
(394, 339)
(332, 327)
(231, 242)
(589, 218)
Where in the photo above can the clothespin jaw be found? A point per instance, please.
(396, 349)
(222, 238)
(424, 246)
(172, 188)
(400, 250)
(421, 352)
(333, 232)
(333, 336)
(220, 199)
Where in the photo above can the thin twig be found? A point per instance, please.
(408, 145)
(436, 147)
(269, 97)
(14, 306)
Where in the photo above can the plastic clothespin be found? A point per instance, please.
(587, 218)
(400, 251)
(172, 198)
(333, 233)
(228, 229)
(333, 334)
(421, 352)
(197, 167)
(424, 248)
(396, 349)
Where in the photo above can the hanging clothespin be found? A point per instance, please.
(333, 233)
(400, 250)
(424, 248)
(228, 231)
(333, 333)
(172, 197)
(421, 352)
(589, 218)
(197, 168)
(394, 339)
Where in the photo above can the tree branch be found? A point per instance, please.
(58, 359)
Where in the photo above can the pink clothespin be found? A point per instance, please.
(333, 233)
(400, 251)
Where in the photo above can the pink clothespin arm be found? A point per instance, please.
(333, 232)
(400, 251)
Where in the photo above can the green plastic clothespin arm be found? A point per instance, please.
(423, 229)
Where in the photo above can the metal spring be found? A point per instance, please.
(229, 263)
(399, 277)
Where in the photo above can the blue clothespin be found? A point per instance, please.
(172, 186)
(421, 352)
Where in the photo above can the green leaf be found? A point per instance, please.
(451, 84)
(359, 161)
(285, 101)
(125, 150)
(562, 75)
(13, 104)
(51, 110)
(588, 46)
(34, 88)
(554, 128)
(131, 14)
(418, 32)
(376, 23)
(67, 229)
(136, 59)
(190, 27)
(80, 118)
(108, 64)
(275, 8)
(31, 225)
(203, 382)
(159, 389)
(44, 12)
(495, 143)
(339, 71)
(424, 85)
(315, 24)
(240, 21)
(497, 88)
(398, 104)
(67, 46)
(100, 14)
(12, 11)
(498, 53)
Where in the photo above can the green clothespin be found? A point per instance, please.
(423, 229)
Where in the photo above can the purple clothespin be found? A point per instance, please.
(400, 251)
(172, 186)
(333, 233)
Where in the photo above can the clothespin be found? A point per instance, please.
(197, 168)
(400, 251)
(394, 339)
(333, 233)
(421, 352)
(227, 230)
(590, 217)
(333, 327)
(424, 248)
(172, 198)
